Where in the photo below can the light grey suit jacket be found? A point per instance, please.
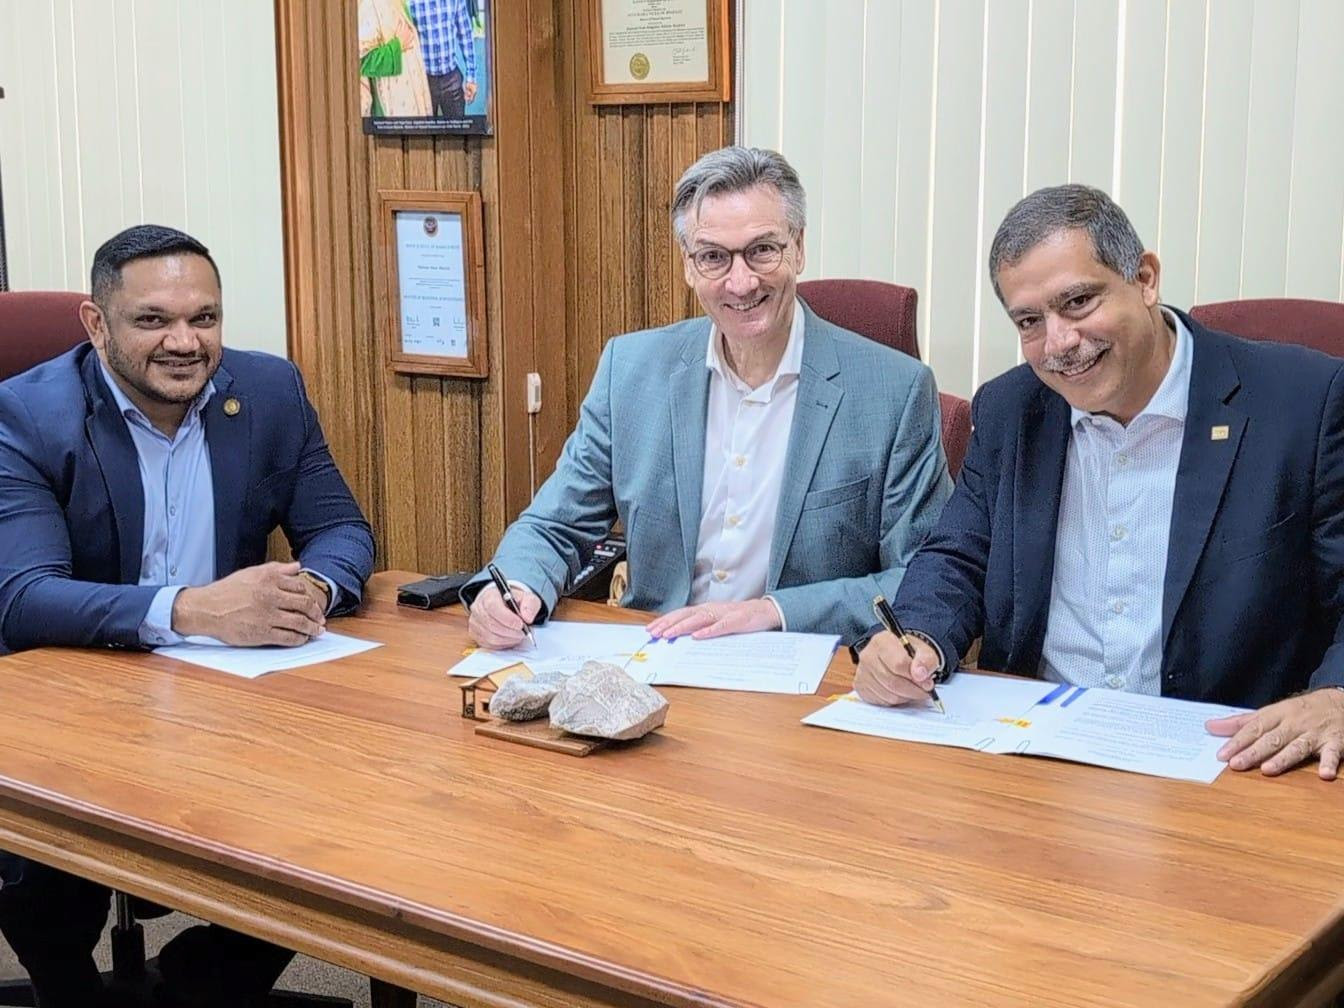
(865, 477)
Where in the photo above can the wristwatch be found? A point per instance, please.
(318, 583)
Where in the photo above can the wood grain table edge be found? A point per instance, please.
(1311, 978)
(403, 944)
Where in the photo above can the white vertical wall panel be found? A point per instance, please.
(915, 124)
(118, 112)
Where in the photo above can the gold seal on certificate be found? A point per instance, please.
(657, 50)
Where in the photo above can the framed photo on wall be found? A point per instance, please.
(652, 51)
(424, 66)
(432, 281)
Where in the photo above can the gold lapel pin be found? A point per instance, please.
(1218, 433)
(232, 407)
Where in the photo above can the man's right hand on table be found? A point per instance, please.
(267, 604)
(889, 677)
(493, 625)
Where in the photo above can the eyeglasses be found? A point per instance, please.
(761, 257)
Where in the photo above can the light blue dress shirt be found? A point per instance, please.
(179, 490)
(1105, 623)
(179, 534)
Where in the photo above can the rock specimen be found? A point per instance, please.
(602, 701)
(522, 699)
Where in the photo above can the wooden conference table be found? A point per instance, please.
(734, 858)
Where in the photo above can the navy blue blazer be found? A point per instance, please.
(1254, 585)
(72, 505)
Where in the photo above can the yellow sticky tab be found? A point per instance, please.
(1218, 433)
(1018, 722)
(468, 651)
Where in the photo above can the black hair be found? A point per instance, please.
(144, 241)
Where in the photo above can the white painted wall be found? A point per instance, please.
(118, 112)
(915, 124)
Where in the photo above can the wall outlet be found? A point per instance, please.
(533, 392)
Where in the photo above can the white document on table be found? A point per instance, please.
(756, 662)
(765, 662)
(1160, 736)
(562, 646)
(251, 662)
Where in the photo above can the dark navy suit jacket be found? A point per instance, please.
(72, 506)
(1254, 585)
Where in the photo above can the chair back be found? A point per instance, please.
(886, 313)
(36, 326)
(1316, 324)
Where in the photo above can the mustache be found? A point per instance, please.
(1081, 355)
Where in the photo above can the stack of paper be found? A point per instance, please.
(756, 662)
(251, 662)
(1128, 731)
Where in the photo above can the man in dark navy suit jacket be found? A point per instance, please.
(1146, 504)
(140, 476)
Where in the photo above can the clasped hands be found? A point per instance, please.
(1275, 738)
(494, 626)
(271, 603)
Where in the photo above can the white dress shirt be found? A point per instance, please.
(1105, 621)
(746, 442)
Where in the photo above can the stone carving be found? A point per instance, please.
(522, 699)
(602, 701)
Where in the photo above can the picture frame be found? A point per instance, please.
(431, 274)
(637, 50)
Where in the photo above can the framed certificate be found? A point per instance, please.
(651, 51)
(433, 282)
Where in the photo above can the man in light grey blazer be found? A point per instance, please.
(771, 470)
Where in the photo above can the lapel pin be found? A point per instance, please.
(232, 407)
(1218, 433)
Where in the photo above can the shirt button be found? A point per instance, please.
(1117, 533)
(173, 572)
(734, 521)
(1118, 606)
(740, 461)
(172, 510)
(720, 576)
(1122, 459)
(1115, 681)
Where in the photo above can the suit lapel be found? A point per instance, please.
(1042, 449)
(814, 412)
(1204, 468)
(229, 439)
(120, 465)
(688, 386)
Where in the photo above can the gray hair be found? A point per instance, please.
(1045, 212)
(736, 169)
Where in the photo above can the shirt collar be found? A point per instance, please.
(131, 411)
(789, 364)
(1172, 398)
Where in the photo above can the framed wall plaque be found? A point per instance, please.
(651, 51)
(433, 282)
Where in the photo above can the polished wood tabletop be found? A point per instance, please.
(735, 857)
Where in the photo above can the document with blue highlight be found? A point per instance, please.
(1159, 736)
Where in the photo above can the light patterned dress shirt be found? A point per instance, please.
(1105, 622)
(746, 443)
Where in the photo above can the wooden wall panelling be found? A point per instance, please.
(577, 244)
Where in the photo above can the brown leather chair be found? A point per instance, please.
(1317, 324)
(887, 313)
(36, 326)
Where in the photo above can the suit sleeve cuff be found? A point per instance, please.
(156, 630)
(333, 590)
(783, 623)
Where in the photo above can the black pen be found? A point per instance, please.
(888, 619)
(507, 593)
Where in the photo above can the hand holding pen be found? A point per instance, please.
(500, 615)
(895, 668)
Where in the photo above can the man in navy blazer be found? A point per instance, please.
(1146, 504)
(140, 476)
